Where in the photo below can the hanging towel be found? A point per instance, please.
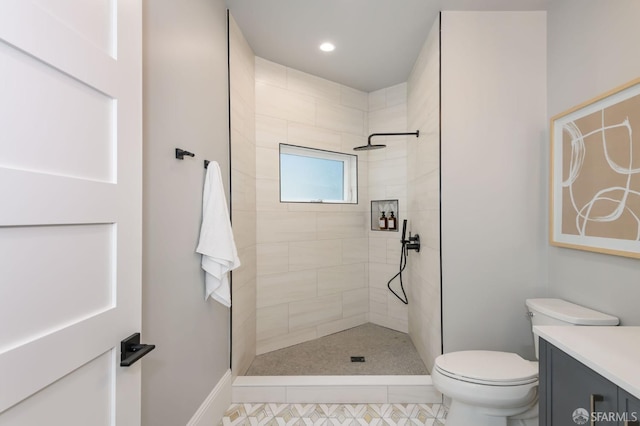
(218, 249)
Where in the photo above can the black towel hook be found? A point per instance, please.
(206, 163)
(180, 153)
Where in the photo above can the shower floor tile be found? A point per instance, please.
(386, 352)
(334, 414)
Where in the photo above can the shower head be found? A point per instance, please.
(369, 146)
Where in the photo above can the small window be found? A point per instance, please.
(315, 176)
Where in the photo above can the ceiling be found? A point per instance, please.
(377, 41)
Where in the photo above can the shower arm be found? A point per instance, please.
(416, 134)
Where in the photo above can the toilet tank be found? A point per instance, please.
(561, 312)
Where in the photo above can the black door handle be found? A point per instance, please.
(132, 350)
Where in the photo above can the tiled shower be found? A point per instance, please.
(312, 269)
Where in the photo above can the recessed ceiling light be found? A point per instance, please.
(327, 47)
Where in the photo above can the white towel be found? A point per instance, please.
(218, 249)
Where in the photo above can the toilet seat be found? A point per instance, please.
(490, 368)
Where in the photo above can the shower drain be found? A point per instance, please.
(357, 359)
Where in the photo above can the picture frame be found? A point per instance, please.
(595, 174)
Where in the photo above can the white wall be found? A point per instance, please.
(493, 185)
(423, 191)
(592, 48)
(185, 106)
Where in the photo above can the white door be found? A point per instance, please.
(70, 211)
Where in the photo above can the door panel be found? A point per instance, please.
(45, 289)
(70, 213)
(57, 404)
(42, 101)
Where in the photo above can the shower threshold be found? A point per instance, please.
(335, 389)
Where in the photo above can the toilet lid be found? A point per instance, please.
(490, 367)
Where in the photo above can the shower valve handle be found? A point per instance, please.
(413, 243)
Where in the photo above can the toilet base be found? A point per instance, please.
(461, 414)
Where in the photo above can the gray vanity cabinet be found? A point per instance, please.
(569, 391)
(629, 404)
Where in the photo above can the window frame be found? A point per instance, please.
(350, 171)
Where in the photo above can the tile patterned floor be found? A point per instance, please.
(334, 415)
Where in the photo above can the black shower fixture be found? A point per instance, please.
(413, 243)
(369, 147)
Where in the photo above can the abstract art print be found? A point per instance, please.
(595, 174)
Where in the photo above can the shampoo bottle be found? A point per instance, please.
(382, 223)
(391, 222)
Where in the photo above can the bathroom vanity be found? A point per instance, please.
(596, 369)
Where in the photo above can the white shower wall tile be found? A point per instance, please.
(272, 321)
(244, 344)
(271, 73)
(391, 119)
(244, 228)
(312, 312)
(313, 137)
(273, 258)
(377, 249)
(317, 251)
(270, 131)
(282, 103)
(354, 98)
(267, 163)
(342, 324)
(314, 207)
(394, 249)
(350, 141)
(377, 100)
(355, 302)
(355, 250)
(392, 323)
(395, 308)
(424, 199)
(341, 225)
(268, 196)
(310, 85)
(340, 118)
(396, 95)
(243, 194)
(289, 339)
(275, 289)
(378, 301)
(387, 179)
(243, 154)
(276, 227)
(248, 271)
(244, 296)
(340, 279)
(387, 172)
(314, 254)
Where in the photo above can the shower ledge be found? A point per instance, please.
(335, 389)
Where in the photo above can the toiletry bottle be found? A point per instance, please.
(382, 223)
(391, 222)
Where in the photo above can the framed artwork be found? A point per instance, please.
(595, 174)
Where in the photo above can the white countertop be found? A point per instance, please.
(612, 352)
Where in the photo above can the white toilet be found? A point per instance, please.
(489, 388)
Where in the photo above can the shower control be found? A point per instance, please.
(413, 243)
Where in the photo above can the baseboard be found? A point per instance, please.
(335, 389)
(212, 410)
